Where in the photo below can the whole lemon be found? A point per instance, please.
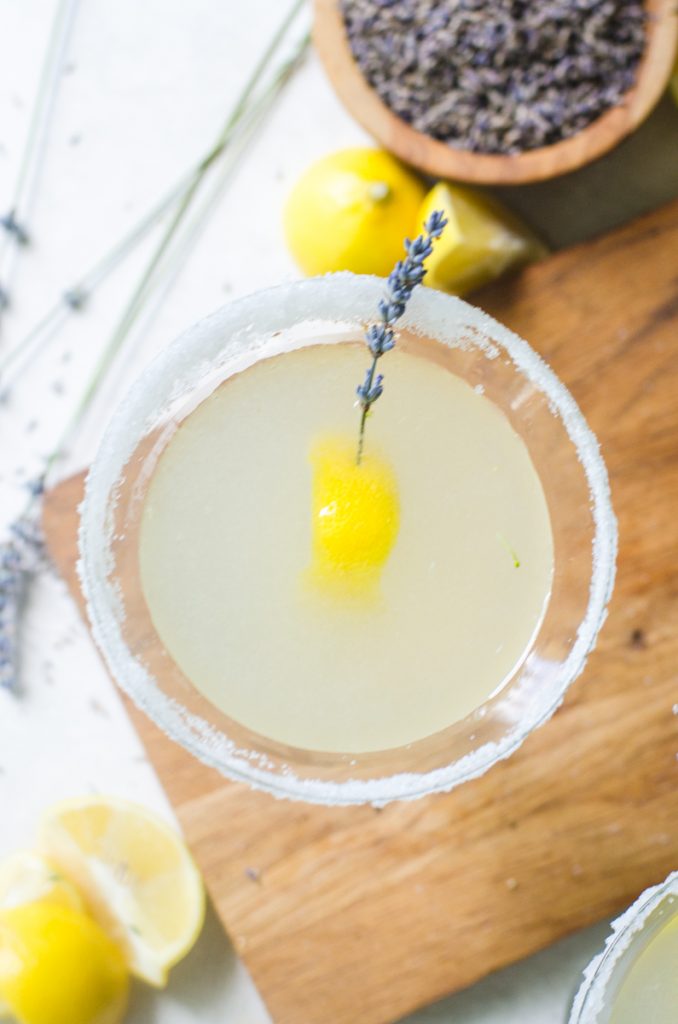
(57, 966)
(351, 211)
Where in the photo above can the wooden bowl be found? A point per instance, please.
(444, 161)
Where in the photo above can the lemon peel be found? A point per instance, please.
(355, 515)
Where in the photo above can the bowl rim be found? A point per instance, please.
(336, 298)
(437, 158)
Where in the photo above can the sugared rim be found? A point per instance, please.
(336, 299)
(588, 1001)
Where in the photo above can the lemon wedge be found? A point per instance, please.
(355, 514)
(351, 210)
(136, 875)
(57, 966)
(482, 240)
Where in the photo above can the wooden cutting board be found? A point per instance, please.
(358, 916)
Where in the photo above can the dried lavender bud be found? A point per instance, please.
(370, 391)
(12, 226)
(497, 76)
(379, 339)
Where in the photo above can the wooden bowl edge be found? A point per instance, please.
(438, 159)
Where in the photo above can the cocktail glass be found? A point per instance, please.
(458, 339)
(636, 976)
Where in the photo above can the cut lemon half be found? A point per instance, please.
(135, 872)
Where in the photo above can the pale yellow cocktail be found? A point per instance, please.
(650, 990)
(226, 553)
(635, 978)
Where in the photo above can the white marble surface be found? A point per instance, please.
(145, 90)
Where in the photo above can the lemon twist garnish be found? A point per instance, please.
(355, 516)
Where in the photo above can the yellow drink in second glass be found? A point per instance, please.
(227, 550)
(649, 992)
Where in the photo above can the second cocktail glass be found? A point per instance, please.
(635, 978)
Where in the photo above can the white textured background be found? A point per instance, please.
(145, 90)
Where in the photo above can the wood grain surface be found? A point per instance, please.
(357, 916)
(441, 160)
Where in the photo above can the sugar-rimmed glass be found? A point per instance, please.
(460, 339)
(630, 937)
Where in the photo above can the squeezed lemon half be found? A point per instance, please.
(355, 515)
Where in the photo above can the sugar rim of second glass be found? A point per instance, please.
(337, 299)
(588, 1002)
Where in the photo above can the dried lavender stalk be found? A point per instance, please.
(22, 556)
(498, 76)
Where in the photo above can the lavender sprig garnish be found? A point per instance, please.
(380, 337)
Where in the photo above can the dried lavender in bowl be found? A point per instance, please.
(497, 76)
